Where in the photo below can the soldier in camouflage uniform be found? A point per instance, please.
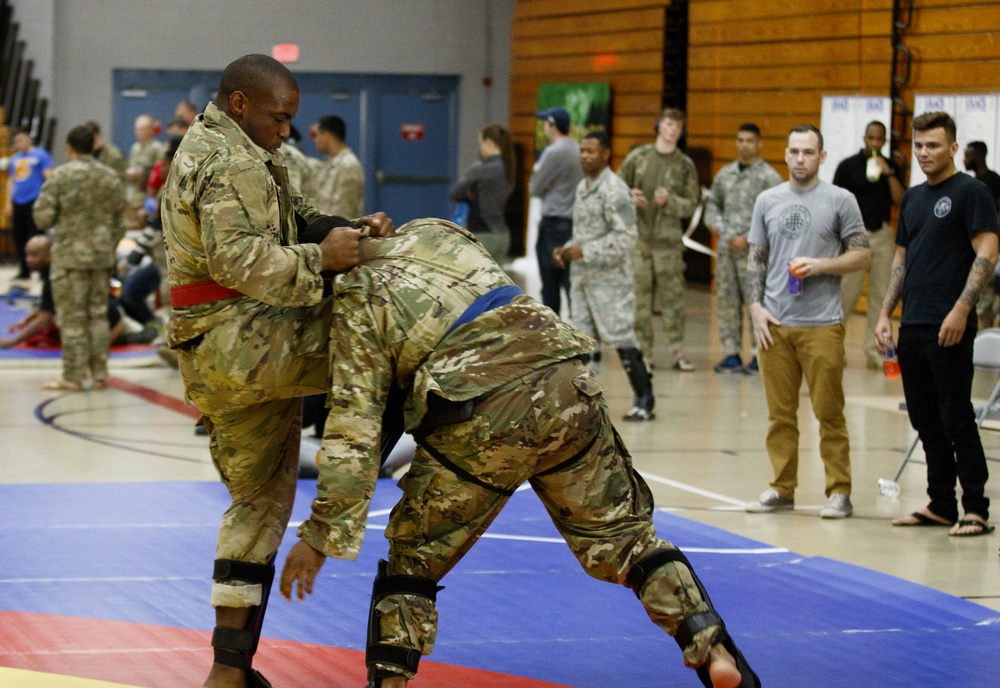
(340, 185)
(727, 214)
(82, 200)
(495, 394)
(300, 173)
(250, 328)
(143, 155)
(664, 184)
(106, 152)
(602, 288)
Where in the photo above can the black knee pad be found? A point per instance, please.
(378, 653)
(236, 647)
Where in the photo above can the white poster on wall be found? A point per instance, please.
(843, 122)
(975, 118)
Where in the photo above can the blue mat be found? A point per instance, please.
(143, 553)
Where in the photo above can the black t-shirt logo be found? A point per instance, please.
(794, 221)
(942, 207)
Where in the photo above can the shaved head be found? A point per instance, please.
(254, 75)
(261, 96)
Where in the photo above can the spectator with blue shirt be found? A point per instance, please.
(29, 168)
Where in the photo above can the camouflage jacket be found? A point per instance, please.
(340, 186)
(647, 169)
(391, 316)
(603, 226)
(227, 218)
(110, 155)
(145, 155)
(301, 173)
(82, 199)
(733, 195)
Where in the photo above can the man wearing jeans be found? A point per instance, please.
(814, 230)
(946, 248)
(554, 180)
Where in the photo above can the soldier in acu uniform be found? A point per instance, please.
(495, 394)
(602, 289)
(83, 201)
(250, 328)
(728, 213)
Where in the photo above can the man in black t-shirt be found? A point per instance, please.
(946, 251)
(876, 192)
(975, 162)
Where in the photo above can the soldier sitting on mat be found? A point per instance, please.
(494, 392)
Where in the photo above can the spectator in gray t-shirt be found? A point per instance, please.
(554, 180)
(814, 230)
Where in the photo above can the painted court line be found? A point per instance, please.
(691, 488)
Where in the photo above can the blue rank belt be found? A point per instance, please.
(494, 298)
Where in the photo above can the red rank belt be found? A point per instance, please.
(200, 292)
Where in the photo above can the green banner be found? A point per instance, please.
(588, 105)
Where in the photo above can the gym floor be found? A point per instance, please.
(111, 505)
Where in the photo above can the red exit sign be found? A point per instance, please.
(412, 132)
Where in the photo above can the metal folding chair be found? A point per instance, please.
(985, 356)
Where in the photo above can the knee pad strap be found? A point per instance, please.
(236, 647)
(379, 653)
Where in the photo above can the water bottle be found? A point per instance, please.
(794, 281)
(872, 170)
(890, 363)
(888, 488)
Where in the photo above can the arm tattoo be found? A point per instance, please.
(757, 261)
(895, 289)
(979, 275)
(857, 241)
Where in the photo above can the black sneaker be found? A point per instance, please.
(752, 367)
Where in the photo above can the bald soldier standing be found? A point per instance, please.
(250, 328)
(495, 395)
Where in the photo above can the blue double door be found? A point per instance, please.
(404, 129)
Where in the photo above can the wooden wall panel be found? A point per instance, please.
(771, 61)
(617, 41)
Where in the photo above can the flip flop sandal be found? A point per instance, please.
(922, 521)
(981, 528)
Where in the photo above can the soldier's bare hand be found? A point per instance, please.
(639, 198)
(738, 244)
(557, 256)
(302, 565)
(340, 249)
(379, 225)
(661, 196)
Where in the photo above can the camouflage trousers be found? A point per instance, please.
(659, 265)
(730, 298)
(246, 377)
(601, 507)
(604, 309)
(81, 301)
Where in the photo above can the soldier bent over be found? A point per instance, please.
(495, 395)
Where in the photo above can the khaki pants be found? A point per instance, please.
(818, 354)
(883, 244)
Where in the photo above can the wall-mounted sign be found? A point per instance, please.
(588, 105)
(285, 52)
(412, 132)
